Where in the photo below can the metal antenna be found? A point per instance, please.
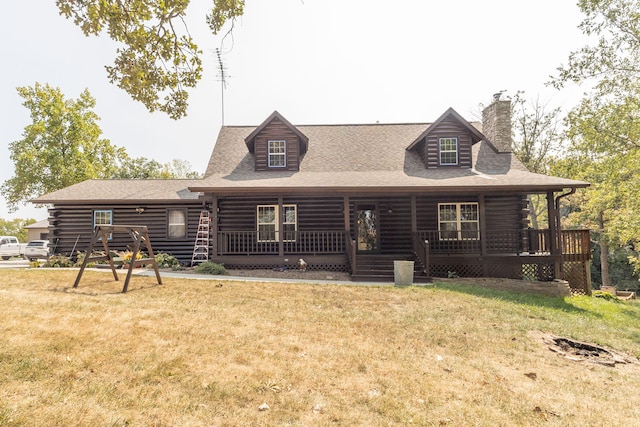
(222, 76)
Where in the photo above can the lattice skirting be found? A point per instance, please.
(573, 272)
(315, 267)
(462, 270)
(542, 272)
(577, 274)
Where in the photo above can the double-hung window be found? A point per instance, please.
(177, 223)
(268, 226)
(102, 217)
(277, 154)
(448, 151)
(458, 221)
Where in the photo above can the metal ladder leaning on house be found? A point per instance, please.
(201, 245)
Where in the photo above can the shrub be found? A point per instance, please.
(58, 261)
(126, 257)
(606, 295)
(165, 260)
(211, 268)
(80, 259)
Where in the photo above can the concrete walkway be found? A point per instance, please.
(178, 275)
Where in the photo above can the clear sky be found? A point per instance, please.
(315, 61)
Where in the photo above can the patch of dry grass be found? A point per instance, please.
(191, 352)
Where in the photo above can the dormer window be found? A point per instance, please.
(448, 151)
(277, 154)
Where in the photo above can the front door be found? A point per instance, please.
(367, 226)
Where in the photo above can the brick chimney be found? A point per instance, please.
(496, 124)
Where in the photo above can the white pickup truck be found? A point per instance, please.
(10, 247)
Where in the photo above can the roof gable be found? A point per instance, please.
(476, 135)
(250, 140)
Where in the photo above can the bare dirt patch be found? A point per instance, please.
(578, 351)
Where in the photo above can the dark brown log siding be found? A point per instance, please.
(314, 213)
(504, 217)
(503, 214)
(394, 222)
(276, 130)
(448, 129)
(70, 223)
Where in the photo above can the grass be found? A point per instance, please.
(209, 353)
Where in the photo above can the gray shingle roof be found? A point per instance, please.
(123, 190)
(348, 158)
(360, 157)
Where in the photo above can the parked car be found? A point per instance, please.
(36, 249)
(9, 247)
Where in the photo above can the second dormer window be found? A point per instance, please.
(448, 151)
(277, 154)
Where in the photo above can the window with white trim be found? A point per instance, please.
(268, 225)
(290, 223)
(448, 151)
(102, 217)
(176, 224)
(458, 221)
(277, 154)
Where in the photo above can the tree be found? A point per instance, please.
(159, 58)
(178, 168)
(614, 61)
(604, 139)
(143, 168)
(605, 128)
(537, 135)
(61, 146)
(15, 227)
(139, 168)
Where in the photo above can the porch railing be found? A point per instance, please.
(297, 242)
(574, 243)
(538, 242)
(422, 249)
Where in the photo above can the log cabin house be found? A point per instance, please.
(449, 195)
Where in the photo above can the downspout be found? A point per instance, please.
(558, 267)
(570, 192)
(557, 214)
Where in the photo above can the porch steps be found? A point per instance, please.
(380, 268)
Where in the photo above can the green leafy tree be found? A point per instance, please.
(15, 227)
(178, 168)
(604, 139)
(61, 146)
(613, 62)
(143, 168)
(158, 60)
(139, 168)
(605, 128)
(537, 136)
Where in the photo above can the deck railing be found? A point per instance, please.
(573, 242)
(422, 249)
(576, 245)
(297, 242)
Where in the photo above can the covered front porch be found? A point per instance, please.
(486, 236)
(532, 255)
